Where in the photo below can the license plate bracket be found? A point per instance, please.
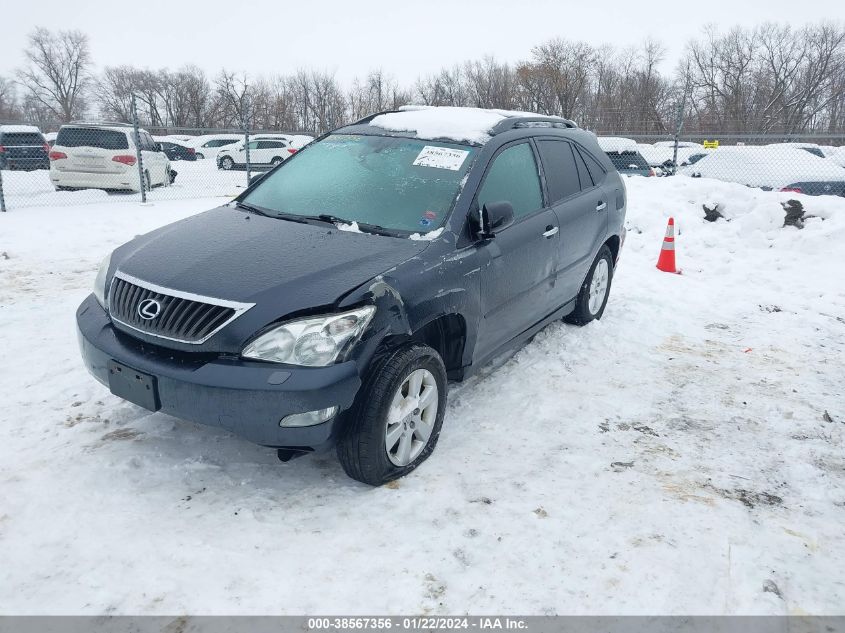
(133, 385)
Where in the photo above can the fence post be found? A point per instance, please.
(680, 126)
(138, 156)
(2, 197)
(246, 146)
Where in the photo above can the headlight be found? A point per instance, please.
(312, 342)
(100, 281)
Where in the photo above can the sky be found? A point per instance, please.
(406, 39)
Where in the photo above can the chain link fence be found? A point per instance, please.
(79, 163)
(54, 164)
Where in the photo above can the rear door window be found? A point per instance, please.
(596, 170)
(513, 178)
(92, 137)
(583, 172)
(560, 169)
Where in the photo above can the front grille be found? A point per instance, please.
(178, 316)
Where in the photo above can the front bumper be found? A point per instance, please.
(246, 398)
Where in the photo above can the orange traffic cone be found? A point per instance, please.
(666, 261)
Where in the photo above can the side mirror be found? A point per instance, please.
(254, 179)
(492, 218)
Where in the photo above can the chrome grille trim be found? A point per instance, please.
(181, 307)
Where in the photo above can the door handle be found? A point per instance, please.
(601, 206)
(550, 231)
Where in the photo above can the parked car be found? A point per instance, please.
(175, 150)
(812, 148)
(684, 144)
(23, 147)
(331, 302)
(262, 152)
(104, 156)
(208, 145)
(772, 168)
(625, 156)
(662, 158)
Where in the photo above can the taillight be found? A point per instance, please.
(791, 190)
(57, 155)
(126, 159)
(2, 149)
(191, 150)
(291, 150)
(46, 147)
(651, 172)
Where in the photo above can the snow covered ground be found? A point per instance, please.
(683, 455)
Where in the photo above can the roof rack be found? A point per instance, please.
(515, 122)
(101, 123)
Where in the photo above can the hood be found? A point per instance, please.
(281, 266)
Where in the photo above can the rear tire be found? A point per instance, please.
(199, 156)
(227, 163)
(391, 429)
(592, 298)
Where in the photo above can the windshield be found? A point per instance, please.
(396, 183)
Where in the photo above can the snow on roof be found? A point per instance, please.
(799, 145)
(680, 144)
(766, 166)
(19, 128)
(447, 122)
(617, 144)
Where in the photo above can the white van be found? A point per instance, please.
(97, 156)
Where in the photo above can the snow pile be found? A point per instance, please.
(774, 167)
(471, 125)
(617, 144)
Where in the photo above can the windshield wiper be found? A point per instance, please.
(250, 208)
(364, 226)
(273, 214)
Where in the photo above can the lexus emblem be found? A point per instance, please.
(149, 309)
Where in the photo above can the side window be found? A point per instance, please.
(583, 173)
(596, 170)
(254, 144)
(560, 169)
(513, 177)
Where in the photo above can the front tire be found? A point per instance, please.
(592, 298)
(227, 163)
(277, 160)
(396, 419)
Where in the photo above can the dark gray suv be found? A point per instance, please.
(331, 303)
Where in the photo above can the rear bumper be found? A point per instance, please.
(246, 398)
(125, 181)
(9, 162)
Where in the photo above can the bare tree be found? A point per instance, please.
(57, 73)
(9, 108)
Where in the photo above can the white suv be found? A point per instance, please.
(207, 145)
(95, 156)
(266, 151)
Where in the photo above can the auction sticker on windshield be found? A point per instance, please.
(441, 157)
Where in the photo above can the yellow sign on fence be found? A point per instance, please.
(711, 144)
